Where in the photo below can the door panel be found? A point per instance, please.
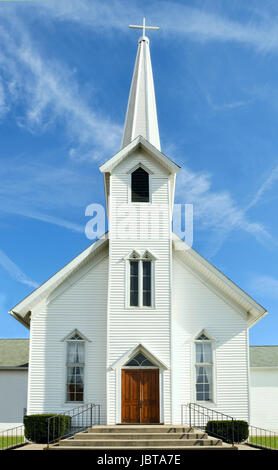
(131, 396)
(140, 396)
(150, 396)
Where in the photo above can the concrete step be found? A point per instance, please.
(140, 436)
(142, 429)
(161, 447)
(112, 443)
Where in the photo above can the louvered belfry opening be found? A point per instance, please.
(140, 186)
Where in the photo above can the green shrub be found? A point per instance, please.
(224, 430)
(36, 427)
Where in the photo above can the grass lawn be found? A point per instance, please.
(9, 441)
(266, 441)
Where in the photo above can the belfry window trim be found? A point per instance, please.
(130, 173)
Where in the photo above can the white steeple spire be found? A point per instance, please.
(141, 116)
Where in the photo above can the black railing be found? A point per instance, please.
(206, 419)
(263, 438)
(70, 422)
(226, 427)
(12, 437)
(59, 426)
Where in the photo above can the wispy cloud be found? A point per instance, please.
(266, 286)
(32, 190)
(266, 186)
(199, 24)
(49, 89)
(27, 183)
(226, 105)
(14, 271)
(50, 93)
(216, 211)
(3, 104)
(60, 222)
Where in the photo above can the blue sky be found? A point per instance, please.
(65, 74)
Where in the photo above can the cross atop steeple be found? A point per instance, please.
(144, 27)
(141, 116)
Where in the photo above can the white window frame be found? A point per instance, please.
(212, 364)
(139, 165)
(140, 259)
(68, 340)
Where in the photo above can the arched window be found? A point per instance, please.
(75, 367)
(141, 279)
(204, 367)
(140, 191)
(140, 360)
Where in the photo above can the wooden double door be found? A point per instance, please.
(140, 395)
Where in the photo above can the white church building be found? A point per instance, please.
(139, 322)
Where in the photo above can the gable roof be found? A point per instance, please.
(263, 356)
(139, 142)
(14, 353)
(21, 310)
(219, 281)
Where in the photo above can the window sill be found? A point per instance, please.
(148, 203)
(205, 402)
(75, 403)
(140, 308)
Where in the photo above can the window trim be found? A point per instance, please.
(139, 165)
(212, 343)
(68, 340)
(140, 259)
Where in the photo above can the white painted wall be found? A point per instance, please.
(196, 306)
(264, 397)
(129, 326)
(13, 389)
(81, 303)
(93, 300)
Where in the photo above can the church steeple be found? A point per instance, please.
(141, 115)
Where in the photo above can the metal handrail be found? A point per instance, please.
(198, 416)
(81, 418)
(79, 421)
(263, 438)
(12, 437)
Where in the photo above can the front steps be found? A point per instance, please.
(141, 437)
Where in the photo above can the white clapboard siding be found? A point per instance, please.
(94, 301)
(195, 307)
(127, 327)
(264, 397)
(80, 303)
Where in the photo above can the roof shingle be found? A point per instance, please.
(14, 352)
(263, 356)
